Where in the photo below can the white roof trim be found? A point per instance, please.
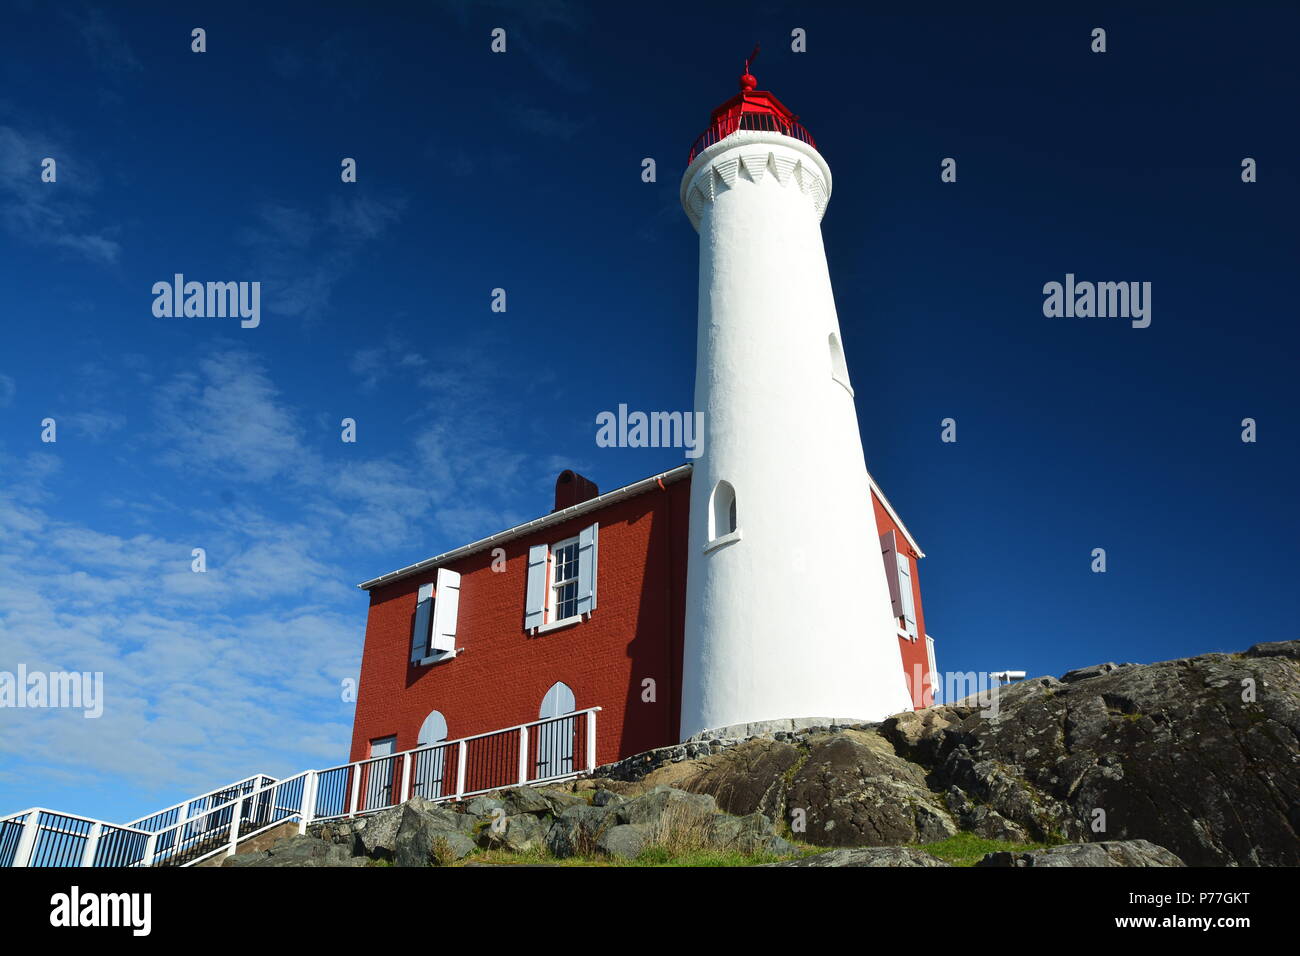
(894, 514)
(574, 511)
(555, 517)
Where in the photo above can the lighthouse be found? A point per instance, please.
(788, 606)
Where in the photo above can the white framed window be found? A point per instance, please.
(561, 586)
(898, 574)
(565, 560)
(433, 628)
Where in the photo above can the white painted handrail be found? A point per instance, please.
(51, 838)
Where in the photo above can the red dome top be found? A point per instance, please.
(751, 108)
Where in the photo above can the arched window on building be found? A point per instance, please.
(430, 771)
(555, 738)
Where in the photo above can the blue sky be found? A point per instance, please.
(522, 171)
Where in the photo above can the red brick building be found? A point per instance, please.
(583, 607)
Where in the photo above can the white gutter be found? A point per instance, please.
(894, 514)
(555, 517)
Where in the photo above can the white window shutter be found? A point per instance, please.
(535, 596)
(445, 609)
(587, 548)
(889, 551)
(423, 624)
(905, 589)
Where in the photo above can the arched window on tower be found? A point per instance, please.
(723, 523)
(839, 368)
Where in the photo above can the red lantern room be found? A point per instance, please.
(751, 108)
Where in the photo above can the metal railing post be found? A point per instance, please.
(184, 818)
(150, 848)
(356, 790)
(591, 740)
(523, 755)
(405, 793)
(462, 763)
(308, 808)
(92, 844)
(27, 842)
(235, 817)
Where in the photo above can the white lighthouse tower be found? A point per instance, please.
(788, 611)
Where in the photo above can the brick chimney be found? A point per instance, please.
(571, 489)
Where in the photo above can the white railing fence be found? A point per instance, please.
(541, 751)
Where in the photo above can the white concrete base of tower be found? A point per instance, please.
(791, 614)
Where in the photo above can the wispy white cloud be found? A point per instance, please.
(226, 414)
(51, 214)
(212, 676)
(300, 254)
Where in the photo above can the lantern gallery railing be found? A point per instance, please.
(768, 122)
(214, 823)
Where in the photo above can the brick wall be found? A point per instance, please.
(916, 660)
(500, 677)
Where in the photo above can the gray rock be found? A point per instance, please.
(379, 835)
(1289, 649)
(604, 798)
(418, 824)
(519, 833)
(577, 830)
(484, 806)
(867, 856)
(524, 800)
(624, 841)
(302, 850)
(651, 806)
(1083, 673)
(747, 834)
(559, 800)
(1108, 853)
(854, 790)
(419, 831)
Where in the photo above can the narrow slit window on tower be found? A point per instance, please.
(723, 524)
(839, 368)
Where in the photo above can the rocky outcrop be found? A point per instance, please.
(1106, 853)
(583, 821)
(297, 851)
(1200, 756)
(867, 856)
(1110, 853)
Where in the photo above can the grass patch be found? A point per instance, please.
(650, 857)
(967, 849)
